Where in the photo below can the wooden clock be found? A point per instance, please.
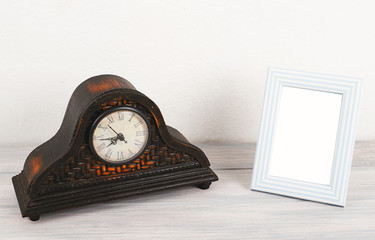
(113, 143)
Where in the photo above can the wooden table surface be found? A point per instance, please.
(227, 210)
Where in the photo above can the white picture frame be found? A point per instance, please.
(330, 161)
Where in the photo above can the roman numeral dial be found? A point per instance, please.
(119, 135)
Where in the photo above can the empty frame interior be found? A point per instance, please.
(305, 135)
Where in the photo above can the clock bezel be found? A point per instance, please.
(105, 114)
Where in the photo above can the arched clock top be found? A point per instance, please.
(66, 162)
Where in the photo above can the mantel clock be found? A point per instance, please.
(113, 143)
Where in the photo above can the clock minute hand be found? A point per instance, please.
(113, 141)
(102, 139)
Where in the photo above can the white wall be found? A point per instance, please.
(203, 62)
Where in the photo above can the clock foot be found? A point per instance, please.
(204, 185)
(34, 218)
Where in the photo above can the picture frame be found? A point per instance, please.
(307, 135)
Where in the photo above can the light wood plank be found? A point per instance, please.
(228, 210)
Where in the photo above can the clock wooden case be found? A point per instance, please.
(74, 168)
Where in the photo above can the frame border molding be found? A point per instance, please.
(336, 192)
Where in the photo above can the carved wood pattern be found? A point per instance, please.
(84, 169)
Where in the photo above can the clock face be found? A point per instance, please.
(119, 135)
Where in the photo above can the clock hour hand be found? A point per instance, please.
(112, 129)
(120, 136)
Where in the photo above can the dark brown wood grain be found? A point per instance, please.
(63, 173)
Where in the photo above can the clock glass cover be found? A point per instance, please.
(119, 135)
